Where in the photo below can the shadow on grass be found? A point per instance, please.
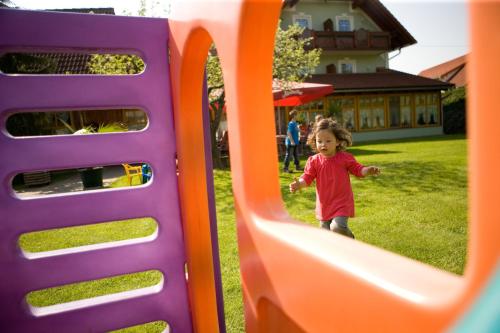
(397, 177)
(366, 152)
(417, 176)
(448, 137)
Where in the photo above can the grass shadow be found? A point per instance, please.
(367, 152)
(417, 176)
(448, 137)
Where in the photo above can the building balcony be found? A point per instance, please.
(359, 40)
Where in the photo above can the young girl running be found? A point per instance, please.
(331, 167)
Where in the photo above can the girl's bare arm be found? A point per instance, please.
(370, 171)
(297, 184)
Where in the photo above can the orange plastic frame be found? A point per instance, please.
(295, 277)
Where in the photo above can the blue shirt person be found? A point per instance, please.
(292, 143)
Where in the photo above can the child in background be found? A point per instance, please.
(318, 118)
(331, 167)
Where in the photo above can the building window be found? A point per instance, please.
(400, 111)
(371, 113)
(347, 66)
(344, 23)
(307, 113)
(427, 109)
(304, 21)
(342, 110)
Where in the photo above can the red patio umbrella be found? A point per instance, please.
(299, 93)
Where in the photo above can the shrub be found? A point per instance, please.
(454, 116)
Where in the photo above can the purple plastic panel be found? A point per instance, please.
(43, 31)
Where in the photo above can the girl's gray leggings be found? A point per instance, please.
(339, 225)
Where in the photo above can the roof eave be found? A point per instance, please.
(392, 89)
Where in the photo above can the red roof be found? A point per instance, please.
(383, 80)
(452, 71)
(61, 63)
(105, 10)
(68, 63)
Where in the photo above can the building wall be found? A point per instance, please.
(320, 11)
(376, 116)
(364, 63)
(368, 116)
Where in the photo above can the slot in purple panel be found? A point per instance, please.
(150, 91)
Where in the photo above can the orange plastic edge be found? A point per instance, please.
(297, 277)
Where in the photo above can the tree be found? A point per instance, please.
(216, 96)
(115, 64)
(125, 63)
(292, 63)
(7, 3)
(121, 63)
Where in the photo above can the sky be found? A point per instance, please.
(440, 26)
(121, 6)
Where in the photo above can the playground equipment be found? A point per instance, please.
(53, 32)
(295, 278)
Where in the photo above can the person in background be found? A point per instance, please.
(331, 167)
(318, 118)
(292, 143)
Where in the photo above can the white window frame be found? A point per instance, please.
(302, 16)
(346, 61)
(344, 17)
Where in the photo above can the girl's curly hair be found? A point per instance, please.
(341, 134)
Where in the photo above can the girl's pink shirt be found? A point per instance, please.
(333, 186)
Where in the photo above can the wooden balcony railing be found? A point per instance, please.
(350, 40)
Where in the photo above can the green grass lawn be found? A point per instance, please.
(56, 239)
(417, 207)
